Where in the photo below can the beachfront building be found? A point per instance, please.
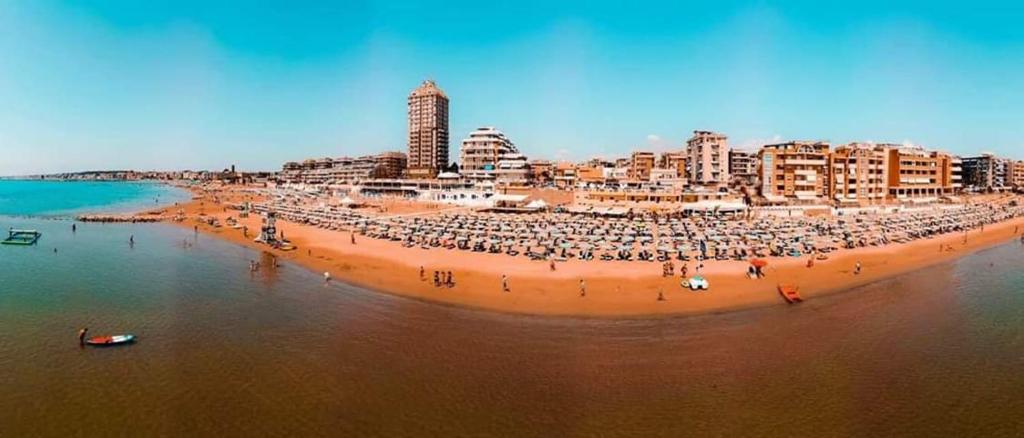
(707, 155)
(795, 171)
(743, 168)
(617, 201)
(481, 152)
(859, 175)
(565, 175)
(344, 169)
(986, 172)
(640, 165)
(541, 173)
(673, 160)
(512, 169)
(1016, 177)
(918, 176)
(428, 131)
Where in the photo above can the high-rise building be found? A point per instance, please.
(707, 155)
(481, 152)
(428, 131)
(795, 171)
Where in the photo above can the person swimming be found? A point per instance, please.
(81, 335)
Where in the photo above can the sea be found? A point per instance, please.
(222, 351)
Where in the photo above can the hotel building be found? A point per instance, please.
(481, 152)
(859, 174)
(795, 171)
(428, 131)
(707, 155)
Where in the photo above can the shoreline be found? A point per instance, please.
(613, 289)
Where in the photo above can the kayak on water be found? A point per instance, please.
(110, 340)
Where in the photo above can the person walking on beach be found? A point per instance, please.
(810, 262)
(504, 283)
(552, 264)
(857, 267)
(583, 288)
(73, 228)
(684, 270)
(327, 276)
(437, 279)
(422, 274)
(131, 240)
(449, 282)
(352, 236)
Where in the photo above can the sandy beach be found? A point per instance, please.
(613, 288)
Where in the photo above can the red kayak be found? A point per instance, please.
(103, 341)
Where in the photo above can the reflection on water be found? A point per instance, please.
(223, 351)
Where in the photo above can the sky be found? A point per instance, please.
(161, 85)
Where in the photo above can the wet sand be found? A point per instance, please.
(613, 289)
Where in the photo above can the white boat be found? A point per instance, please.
(698, 283)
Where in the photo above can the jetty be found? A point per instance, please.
(148, 217)
(21, 237)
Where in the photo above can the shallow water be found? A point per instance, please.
(222, 351)
(59, 198)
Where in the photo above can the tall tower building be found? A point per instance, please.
(428, 131)
(707, 156)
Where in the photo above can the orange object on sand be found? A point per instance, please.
(759, 263)
(790, 293)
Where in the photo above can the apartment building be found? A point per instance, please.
(428, 131)
(986, 172)
(707, 155)
(795, 171)
(481, 151)
(917, 175)
(859, 174)
(743, 167)
(640, 165)
(673, 160)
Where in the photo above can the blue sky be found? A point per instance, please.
(199, 84)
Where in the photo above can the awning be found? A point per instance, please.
(508, 198)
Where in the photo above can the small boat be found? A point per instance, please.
(698, 283)
(790, 293)
(103, 341)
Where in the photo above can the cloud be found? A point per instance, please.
(657, 144)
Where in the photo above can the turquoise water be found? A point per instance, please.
(223, 351)
(58, 198)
